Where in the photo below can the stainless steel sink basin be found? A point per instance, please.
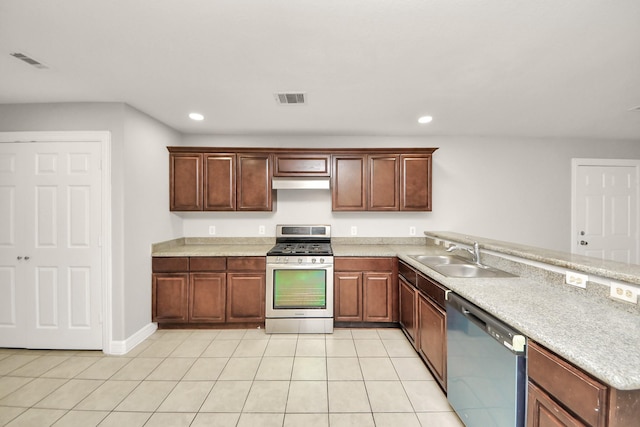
(470, 270)
(438, 259)
(452, 266)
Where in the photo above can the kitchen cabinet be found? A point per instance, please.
(432, 337)
(408, 310)
(381, 182)
(415, 182)
(561, 394)
(348, 183)
(254, 182)
(185, 182)
(365, 289)
(220, 181)
(208, 290)
(246, 279)
(423, 319)
(240, 179)
(301, 165)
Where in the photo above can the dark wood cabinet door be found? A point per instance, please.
(207, 296)
(170, 297)
(347, 296)
(185, 182)
(377, 305)
(415, 182)
(543, 411)
(220, 182)
(432, 341)
(245, 297)
(348, 183)
(384, 183)
(253, 182)
(408, 310)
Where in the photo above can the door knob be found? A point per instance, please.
(584, 243)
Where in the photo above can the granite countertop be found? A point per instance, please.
(592, 333)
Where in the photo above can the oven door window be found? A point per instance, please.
(296, 289)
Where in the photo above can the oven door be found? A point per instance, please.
(299, 291)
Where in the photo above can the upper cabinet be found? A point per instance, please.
(240, 179)
(382, 182)
(220, 181)
(301, 165)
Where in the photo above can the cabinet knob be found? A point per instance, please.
(584, 243)
(19, 258)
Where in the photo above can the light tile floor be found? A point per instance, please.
(351, 378)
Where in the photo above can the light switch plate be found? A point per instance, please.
(212, 230)
(354, 230)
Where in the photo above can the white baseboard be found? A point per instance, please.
(123, 347)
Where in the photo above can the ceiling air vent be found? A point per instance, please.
(29, 60)
(290, 98)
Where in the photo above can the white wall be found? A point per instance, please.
(146, 215)
(511, 189)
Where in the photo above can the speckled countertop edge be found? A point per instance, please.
(606, 345)
(608, 269)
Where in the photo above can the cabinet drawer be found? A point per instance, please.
(432, 289)
(362, 264)
(302, 165)
(573, 388)
(247, 263)
(407, 272)
(207, 263)
(169, 264)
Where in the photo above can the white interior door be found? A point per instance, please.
(50, 251)
(605, 209)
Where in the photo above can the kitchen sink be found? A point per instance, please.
(452, 266)
(430, 260)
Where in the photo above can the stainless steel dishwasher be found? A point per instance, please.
(486, 367)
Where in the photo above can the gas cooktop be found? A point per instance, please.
(302, 240)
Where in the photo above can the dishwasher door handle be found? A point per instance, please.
(475, 319)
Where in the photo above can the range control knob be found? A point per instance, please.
(321, 260)
(313, 260)
(299, 260)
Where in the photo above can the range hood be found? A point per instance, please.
(300, 183)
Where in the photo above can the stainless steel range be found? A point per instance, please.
(299, 295)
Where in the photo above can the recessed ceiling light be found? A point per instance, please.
(425, 119)
(196, 116)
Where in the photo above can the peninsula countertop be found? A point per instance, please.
(596, 334)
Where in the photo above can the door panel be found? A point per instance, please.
(606, 211)
(51, 197)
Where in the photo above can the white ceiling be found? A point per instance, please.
(544, 68)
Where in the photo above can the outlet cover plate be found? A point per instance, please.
(576, 279)
(624, 292)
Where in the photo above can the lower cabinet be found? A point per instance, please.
(365, 289)
(432, 337)
(423, 318)
(409, 311)
(208, 290)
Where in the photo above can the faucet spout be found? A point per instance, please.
(475, 252)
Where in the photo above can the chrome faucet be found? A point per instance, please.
(475, 252)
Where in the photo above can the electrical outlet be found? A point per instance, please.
(354, 230)
(412, 231)
(576, 279)
(261, 229)
(624, 292)
(212, 230)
